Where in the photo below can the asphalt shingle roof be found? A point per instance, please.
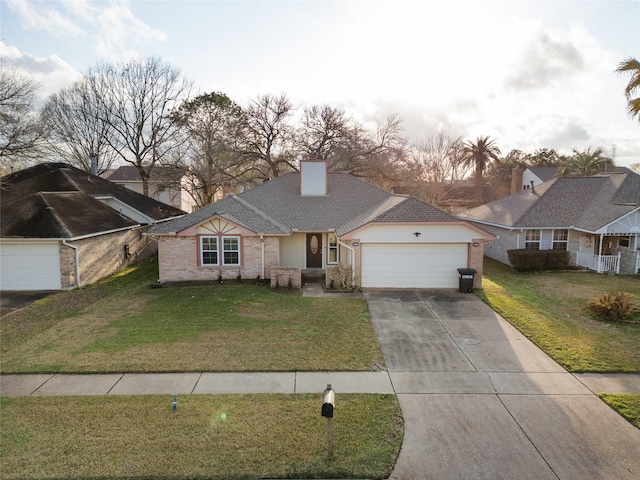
(56, 200)
(277, 208)
(587, 203)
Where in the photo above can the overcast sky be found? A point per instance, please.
(534, 74)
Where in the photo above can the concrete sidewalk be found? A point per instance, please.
(555, 383)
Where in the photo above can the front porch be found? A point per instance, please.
(599, 263)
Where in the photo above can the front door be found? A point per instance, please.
(314, 250)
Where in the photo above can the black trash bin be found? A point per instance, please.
(466, 279)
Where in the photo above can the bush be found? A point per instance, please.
(613, 306)
(556, 259)
(345, 279)
(528, 259)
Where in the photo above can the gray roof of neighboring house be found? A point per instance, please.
(129, 173)
(277, 208)
(544, 173)
(56, 200)
(588, 203)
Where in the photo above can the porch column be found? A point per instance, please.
(600, 254)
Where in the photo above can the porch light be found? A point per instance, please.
(417, 234)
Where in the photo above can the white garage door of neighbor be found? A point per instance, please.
(30, 267)
(412, 265)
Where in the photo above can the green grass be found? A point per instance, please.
(626, 405)
(216, 437)
(124, 324)
(550, 309)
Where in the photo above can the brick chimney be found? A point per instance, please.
(313, 177)
(516, 179)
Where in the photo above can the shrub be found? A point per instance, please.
(528, 259)
(556, 259)
(344, 276)
(613, 306)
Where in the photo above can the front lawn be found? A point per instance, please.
(550, 309)
(208, 436)
(126, 324)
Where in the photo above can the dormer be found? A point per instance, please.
(313, 177)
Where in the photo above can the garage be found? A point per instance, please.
(415, 265)
(33, 266)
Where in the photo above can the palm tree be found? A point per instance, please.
(584, 164)
(480, 155)
(632, 66)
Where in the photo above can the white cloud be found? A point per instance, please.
(114, 30)
(41, 16)
(51, 73)
(119, 32)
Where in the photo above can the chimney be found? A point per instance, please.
(516, 179)
(313, 177)
(94, 163)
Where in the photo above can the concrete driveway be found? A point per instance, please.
(480, 401)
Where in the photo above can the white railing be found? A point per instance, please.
(599, 263)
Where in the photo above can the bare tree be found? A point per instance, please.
(211, 124)
(21, 134)
(435, 166)
(136, 98)
(266, 133)
(322, 133)
(78, 128)
(377, 156)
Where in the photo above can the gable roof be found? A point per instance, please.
(56, 200)
(587, 203)
(544, 173)
(277, 208)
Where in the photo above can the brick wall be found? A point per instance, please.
(178, 260)
(280, 277)
(103, 255)
(476, 259)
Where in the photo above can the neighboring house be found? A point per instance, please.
(314, 221)
(534, 176)
(454, 197)
(595, 218)
(62, 227)
(168, 185)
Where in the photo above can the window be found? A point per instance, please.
(333, 248)
(560, 239)
(209, 250)
(532, 241)
(624, 242)
(231, 250)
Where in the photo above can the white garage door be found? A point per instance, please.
(412, 265)
(29, 267)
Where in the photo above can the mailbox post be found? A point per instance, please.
(328, 405)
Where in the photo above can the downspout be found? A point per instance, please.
(262, 256)
(353, 260)
(76, 256)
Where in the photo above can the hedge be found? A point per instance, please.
(528, 259)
